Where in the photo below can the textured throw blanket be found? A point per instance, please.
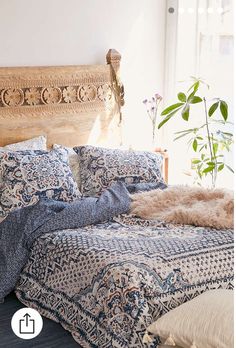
(21, 228)
(186, 205)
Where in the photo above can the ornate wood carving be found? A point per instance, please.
(68, 99)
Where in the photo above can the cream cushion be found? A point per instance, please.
(204, 322)
(37, 143)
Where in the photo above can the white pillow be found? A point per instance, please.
(204, 322)
(73, 162)
(38, 143)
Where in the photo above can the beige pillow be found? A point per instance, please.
(38, 143)
(73, 162)
(204, 322)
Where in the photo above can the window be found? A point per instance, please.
(199, 43)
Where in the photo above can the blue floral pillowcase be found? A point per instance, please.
(28, 176)
(99, 167)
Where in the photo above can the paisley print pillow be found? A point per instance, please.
(99, 167)
(31, 175)
(38, 143)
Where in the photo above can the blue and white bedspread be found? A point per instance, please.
(107, 283)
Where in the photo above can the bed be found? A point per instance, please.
(105, 283)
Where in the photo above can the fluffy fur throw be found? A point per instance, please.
(186, 205)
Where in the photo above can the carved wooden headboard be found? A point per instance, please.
(71, 105)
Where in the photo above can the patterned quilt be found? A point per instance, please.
(106, 283)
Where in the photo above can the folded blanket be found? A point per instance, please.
(20, 229)
(186, 205)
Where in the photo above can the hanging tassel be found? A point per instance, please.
(170, 341)
(147, 338)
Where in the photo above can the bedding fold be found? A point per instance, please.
(21, 228)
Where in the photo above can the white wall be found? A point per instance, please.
(59, 32)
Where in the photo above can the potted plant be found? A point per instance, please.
(208, 142)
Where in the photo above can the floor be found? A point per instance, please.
(51, 336)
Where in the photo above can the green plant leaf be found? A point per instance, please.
(181, 136)
(171, 108)
(228, 134)
(208, 169)
(195, 86)
(200, 176)
(221, 167)
(201, 148)
(192, 86)
(195, 100)
(215, 148)
(231, 169)
(221, 121)
(196, 161)
(185, 112)
(224, 109)
(213, 108)
(167, 118)
(195, 144)
(190, 130)
(190, 97)
(182, 97)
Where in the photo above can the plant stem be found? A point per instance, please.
(208, 131)
(153, 132)
(209, 141)
(215, 169)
